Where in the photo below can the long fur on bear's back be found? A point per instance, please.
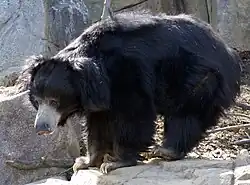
(151, 38)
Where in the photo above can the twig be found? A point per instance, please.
(239, 114)
(243, 106)
(43, 163)
(107, 10)
(130, 6)
(242, 142)
(247, 135)
(63, 172)
(229, 128)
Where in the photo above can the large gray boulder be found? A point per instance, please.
(204, 9)
(37, 27)
(35, 157)
(233, 22)
(229, 17)
(182, 172)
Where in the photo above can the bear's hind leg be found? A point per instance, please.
(181, 135)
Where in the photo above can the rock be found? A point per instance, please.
(36, 27)
(65, 20)
(18, 141)
(10, 80)
(229, 17)
(243, 158)
(51, 181)
(183, 172)
(242, 168)
(233, 22)
(204, 9)
(242, 175)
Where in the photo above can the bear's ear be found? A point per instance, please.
(92, 84)
(35, 63)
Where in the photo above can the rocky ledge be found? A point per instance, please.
(183, 172)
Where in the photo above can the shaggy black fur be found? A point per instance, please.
(124, 72)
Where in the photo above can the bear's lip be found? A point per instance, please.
(44, 132)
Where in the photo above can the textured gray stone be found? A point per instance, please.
(233, 22)
(18, 141)
(65, 20)
(51, 181)
(21, 33)
(229, 17)
(243, 158)
(204, 9)
(37, 27)
(183, 172)
(242, 168)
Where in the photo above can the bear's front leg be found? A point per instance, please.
(92, 159)
(96, 141)
(133, 133)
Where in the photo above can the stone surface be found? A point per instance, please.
(229, 17)
(51, 181)
(18, 141)
(182, 172)
(242, 168)
(21, 30)
(65, 20)
(185, 172)
(243, 158)
(233, 22)
(36, 27)
(204, 9)
(242, 175)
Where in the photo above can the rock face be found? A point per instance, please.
(19, 142)
(233, 22)
(229, 17)
(185, 172)
(175, 173)
(37, 27)
(51, 181)
(242, 168)
(182, 172)
(204, 9)
(64, 21)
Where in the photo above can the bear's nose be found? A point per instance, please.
(43, 128)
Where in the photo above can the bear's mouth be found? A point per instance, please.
(44, 132)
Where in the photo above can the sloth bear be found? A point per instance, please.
(122, 72)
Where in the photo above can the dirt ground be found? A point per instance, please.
(224, 144)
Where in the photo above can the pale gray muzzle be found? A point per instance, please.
(46, 120)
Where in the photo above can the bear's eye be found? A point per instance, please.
(54, 103)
